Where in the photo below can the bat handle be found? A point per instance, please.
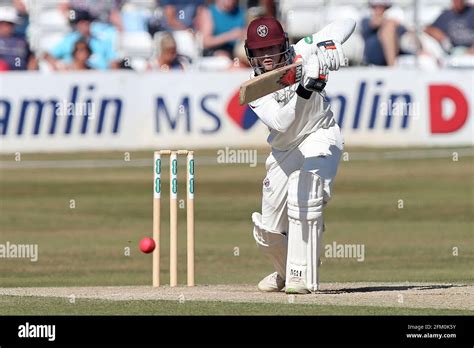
(316, 85)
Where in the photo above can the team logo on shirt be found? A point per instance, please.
(262, 30)
(266, 185)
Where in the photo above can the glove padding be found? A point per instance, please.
(333, 54)
(315, 72)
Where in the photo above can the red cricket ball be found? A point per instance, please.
(147, 245)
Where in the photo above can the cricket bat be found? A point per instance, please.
(270, 82)
(277, 79)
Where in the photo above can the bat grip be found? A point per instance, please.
(316, 85)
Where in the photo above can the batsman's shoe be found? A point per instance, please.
(297, 286)
(272, 283)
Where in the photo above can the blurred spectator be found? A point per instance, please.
(268, 7)
(240, 60)
(181, 14)
(134, 17)
(107, 18)
(104, 11)
(15, 53)
(454, 28)
(103, 52)
(80, 55)
(23, 17)
(168, 57)
(222, 27)
(381, 35)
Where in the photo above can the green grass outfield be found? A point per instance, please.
(85, 246)
(14, 305)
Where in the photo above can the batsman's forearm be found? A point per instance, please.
(339, 30)
(272, 114)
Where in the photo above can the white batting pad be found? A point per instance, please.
(272, 244)
(305, 208)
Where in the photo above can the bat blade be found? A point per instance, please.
(270, 82)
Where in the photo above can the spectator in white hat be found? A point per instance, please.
(15, 53)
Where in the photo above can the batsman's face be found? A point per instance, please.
(268, 57)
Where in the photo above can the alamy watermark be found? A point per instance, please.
(28, 330)
(20, 251)
(237, 156)
(350, 251)
(66, 108)
(399, 108)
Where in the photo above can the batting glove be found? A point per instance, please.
(315, 72)
(333, 54)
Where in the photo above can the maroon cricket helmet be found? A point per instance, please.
(264, 32)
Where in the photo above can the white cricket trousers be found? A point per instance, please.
(319, 153)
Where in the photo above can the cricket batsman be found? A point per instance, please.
(306, 147)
